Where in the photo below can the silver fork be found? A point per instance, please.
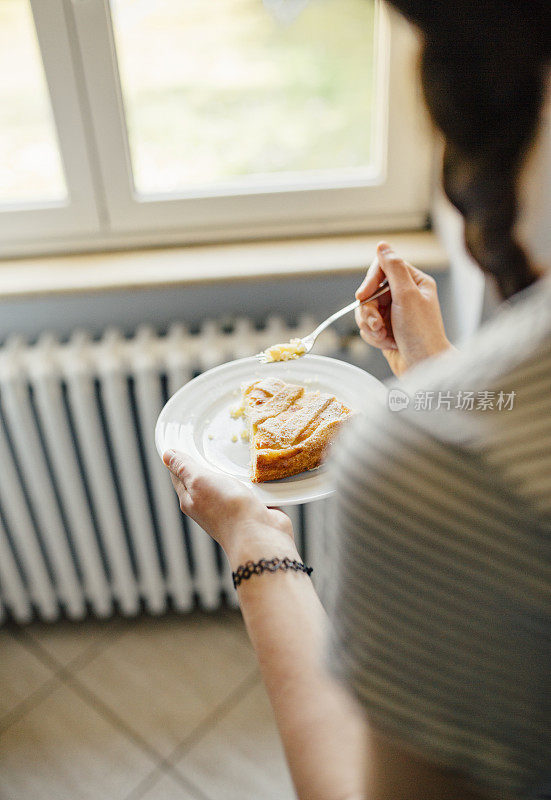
(308, 341)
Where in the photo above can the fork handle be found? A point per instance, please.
(383, 288)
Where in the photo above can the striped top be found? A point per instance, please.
(441, 611)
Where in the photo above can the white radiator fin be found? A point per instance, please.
(89, 521)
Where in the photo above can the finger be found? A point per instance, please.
(180, 465)
(395, 269)
(382, 340)
(371, 281)
(374, 328)
(183, 495)
(368, 315)
(179, 487)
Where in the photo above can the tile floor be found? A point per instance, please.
(149, 709)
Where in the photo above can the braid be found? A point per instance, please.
(483, 68)
(486, 196)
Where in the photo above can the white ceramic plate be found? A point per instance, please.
(197, 419)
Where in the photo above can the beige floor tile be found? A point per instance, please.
(166, 788)
(164, 677)
(63, 749)
(21, 673)
(66, 641)
(241, 758)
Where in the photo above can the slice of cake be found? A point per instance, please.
(289, 428)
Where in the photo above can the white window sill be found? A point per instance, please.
(181, 266)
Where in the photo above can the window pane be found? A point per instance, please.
(219, 91)
(30, 164)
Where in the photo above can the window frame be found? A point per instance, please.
(315, 204)
(79, 53)
(77, 214)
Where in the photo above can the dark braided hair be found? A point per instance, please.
(483, 69)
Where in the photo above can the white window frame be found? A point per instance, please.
(78, 48)
(43, 221)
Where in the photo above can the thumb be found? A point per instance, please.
(175, 462)
(395, 269)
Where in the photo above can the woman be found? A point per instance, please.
(439, 620)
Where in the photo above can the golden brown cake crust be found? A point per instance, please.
(289, 428)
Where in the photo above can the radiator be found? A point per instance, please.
(89, 522)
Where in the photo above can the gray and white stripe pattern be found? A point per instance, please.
(441, 605)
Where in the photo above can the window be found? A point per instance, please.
(46, 186)
(232, 97)
(153, 121)
(31, 167)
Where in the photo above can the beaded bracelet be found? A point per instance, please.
(244, 571)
